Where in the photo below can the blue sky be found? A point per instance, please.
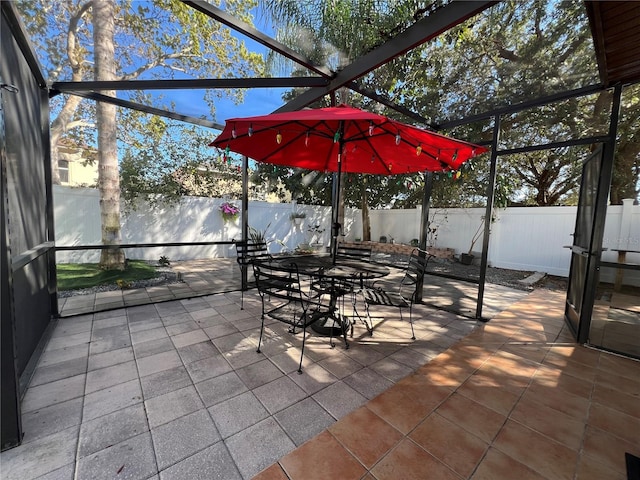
(257, 101)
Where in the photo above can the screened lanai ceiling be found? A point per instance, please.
(616, 34)
(423, 62)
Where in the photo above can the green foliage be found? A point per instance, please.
(175, 161)
(73, 276)
(156, 39)
(258, 236)
(512, 52)
(123, 284)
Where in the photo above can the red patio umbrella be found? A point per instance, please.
(343, 139)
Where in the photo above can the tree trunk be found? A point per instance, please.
(108, 177)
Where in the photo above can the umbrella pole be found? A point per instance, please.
(335, 212)
(335, 204)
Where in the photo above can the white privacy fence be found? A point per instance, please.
(524, 238)
(193, 219)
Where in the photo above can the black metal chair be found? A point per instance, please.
(284, 300)
(247, 253)
(354, 252)
(353, 286)
(404, 294)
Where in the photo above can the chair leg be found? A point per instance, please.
(241, 289)
(368, 325)
(413, 335)
(304, 337)
(261, 330)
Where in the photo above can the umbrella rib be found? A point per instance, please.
(373, 149)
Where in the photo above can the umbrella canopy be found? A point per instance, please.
(343, 139)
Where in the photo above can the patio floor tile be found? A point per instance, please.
(158, 362)
(63, 354)
(152, 347)
(172, 405)
(528, 407)
(102, 432)
(212, 462)
(472, 416)
(52, 393)
(304, 420)
(147, 335)
(607, 449)
(208, 368)
(59, 371)
(339, 399)
(352, 430)
(164, 382)
(499, 465)
(321, 458)
(109, 376)
(548, 458)
(313, 378)
(279, 394)
(197, 351)
(189, 338)
(183, 437)
(107, 359)
(66, 341)
(259, 373)
(457, 448)
(132, 459)
(237, 413)
(408, 460)
(367, 382)
(259, 446)
(220, 388)
(52, 419)
(111, 399)
(552, 423)
(44, 455)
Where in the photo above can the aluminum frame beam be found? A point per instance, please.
(98, 97)
(186, 84)
(244, 28)
(518, 107)
(420, 32)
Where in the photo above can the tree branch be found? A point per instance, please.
(160, 61)
(79, 123)
(71, 38)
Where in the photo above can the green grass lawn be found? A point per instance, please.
(73, 276)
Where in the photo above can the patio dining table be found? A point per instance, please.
(334, 276)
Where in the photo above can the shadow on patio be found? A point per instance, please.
(177, 390)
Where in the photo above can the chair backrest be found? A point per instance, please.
(249, 252)
(355, 252)
(276, 281)
(415, 270)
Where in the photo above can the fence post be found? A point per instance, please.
(624, 238)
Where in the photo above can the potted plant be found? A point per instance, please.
(315, 235)
(229, 212)
(467, 258)
(297, 217)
